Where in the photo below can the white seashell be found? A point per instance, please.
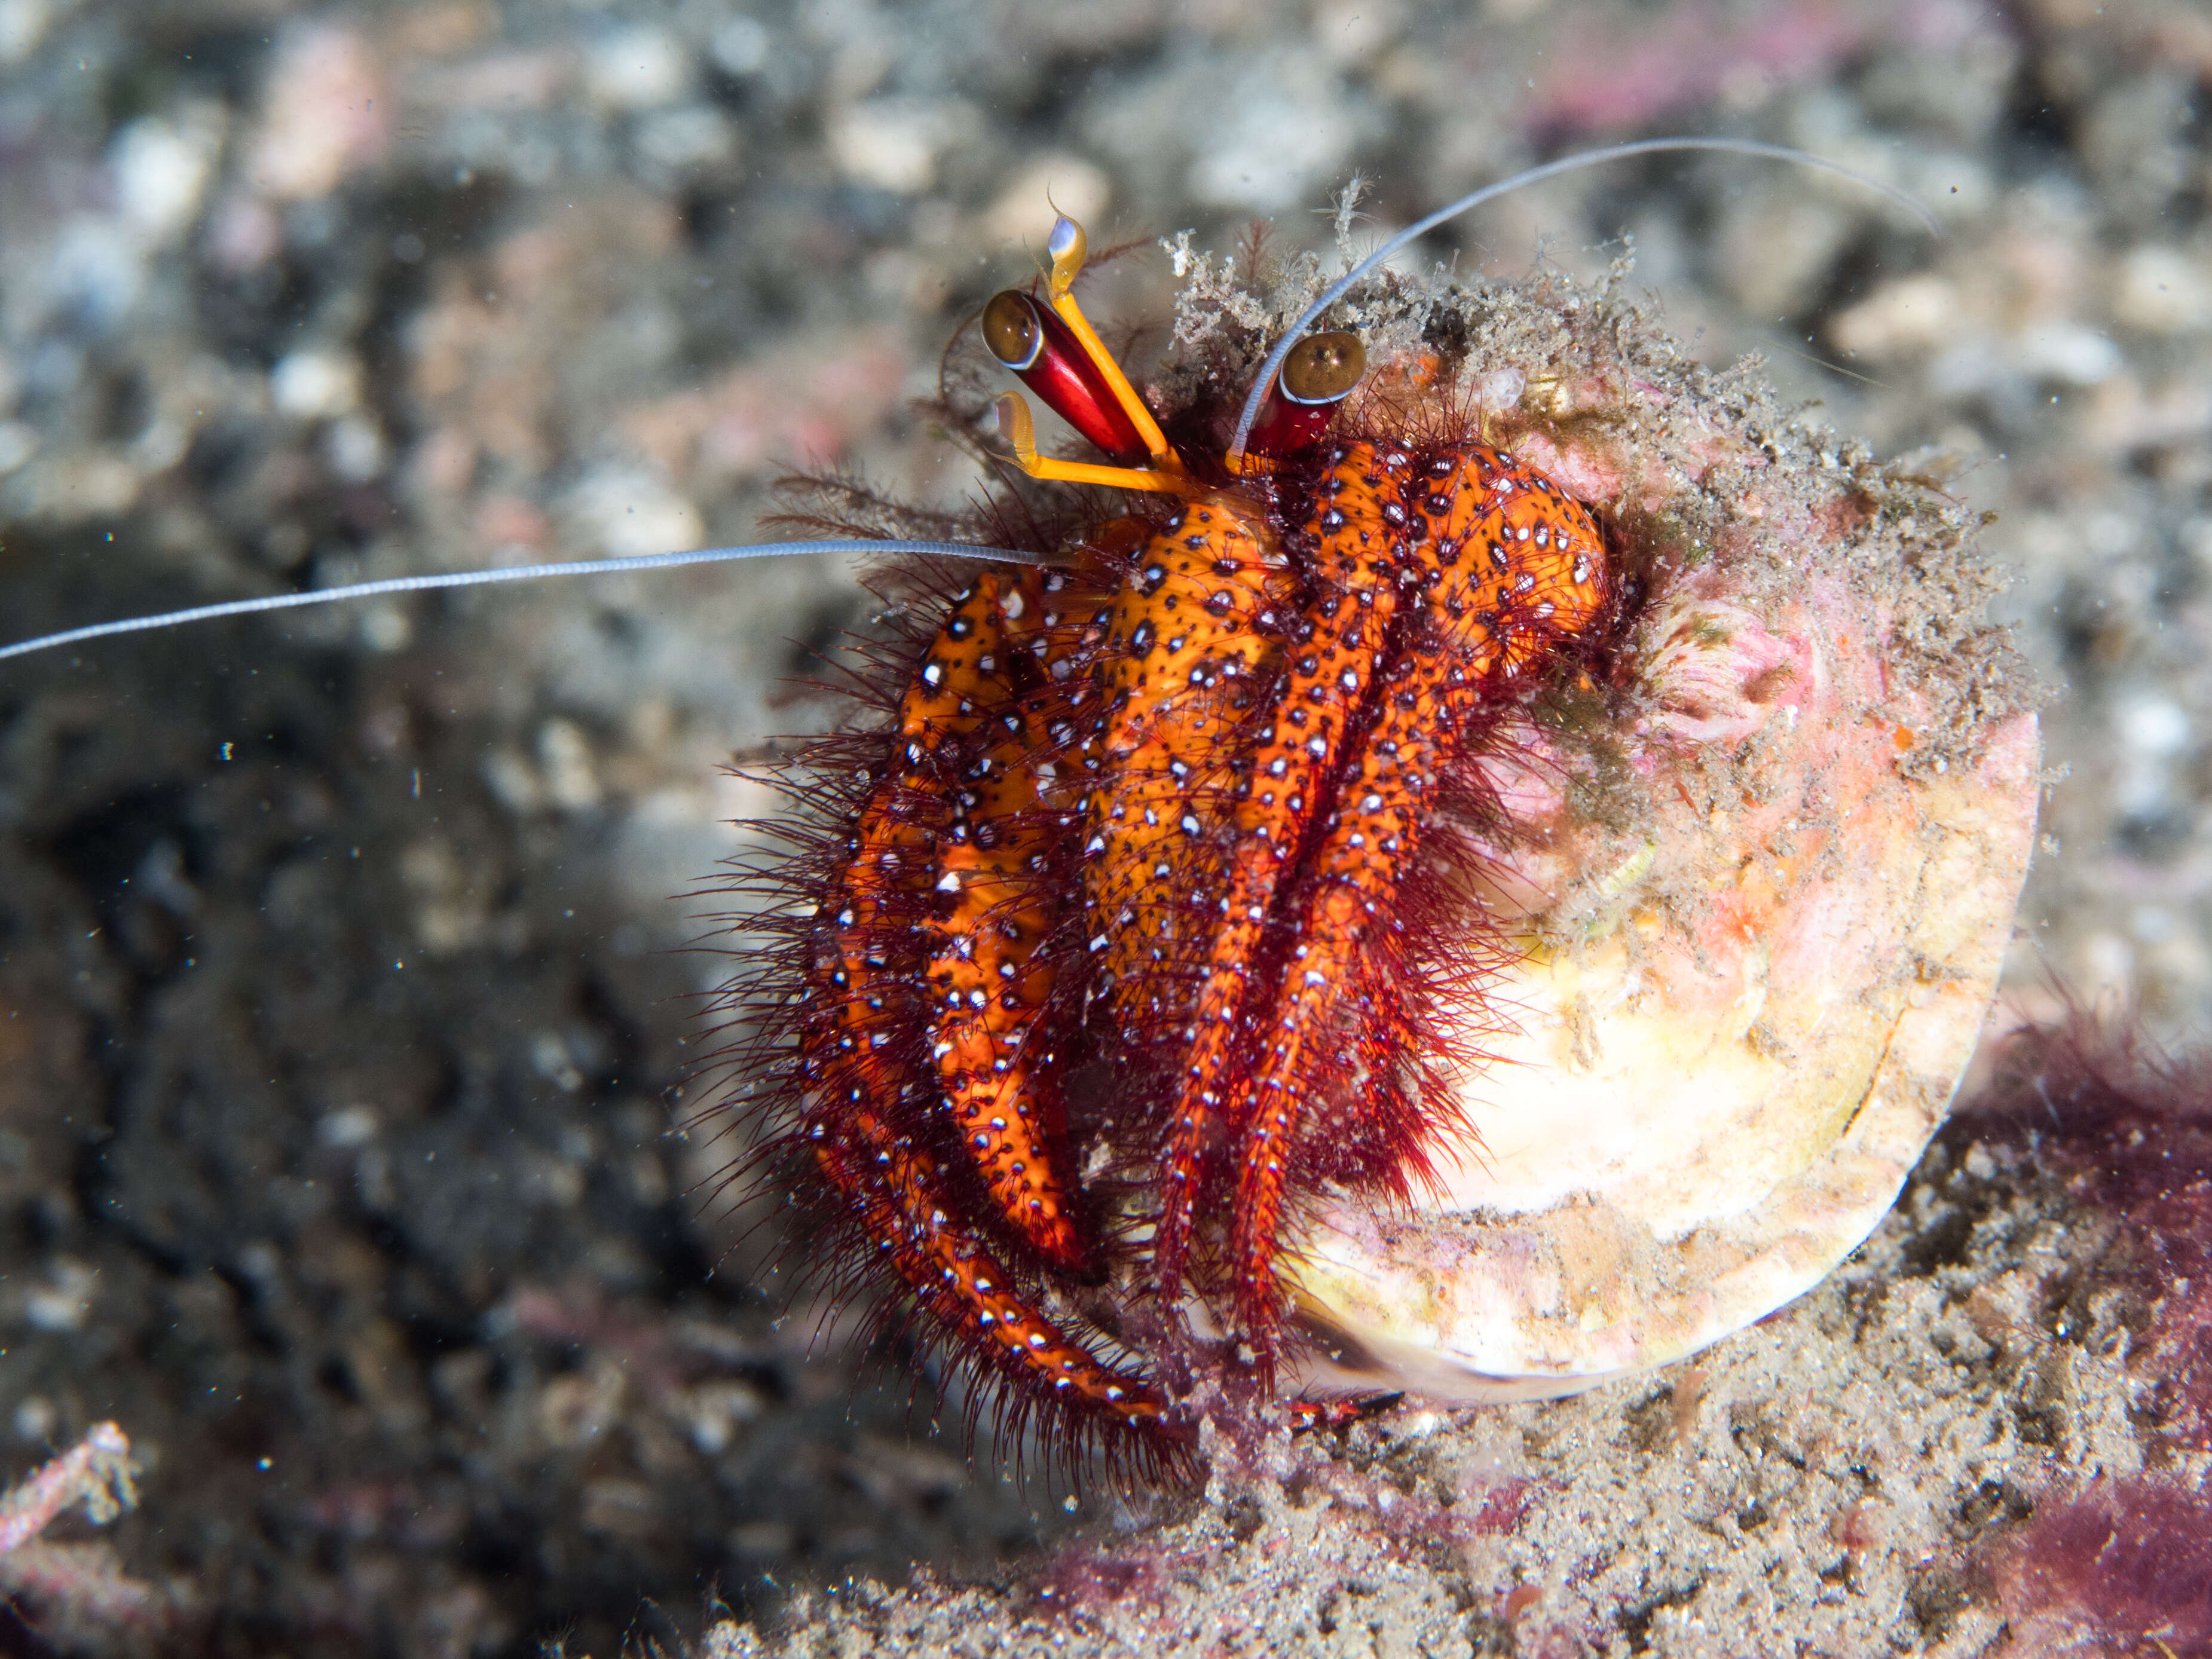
(1758, 960)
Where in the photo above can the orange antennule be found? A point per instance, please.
(1068, 246)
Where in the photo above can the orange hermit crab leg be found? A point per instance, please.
(866, 1119)
(1509, 571)
(1187, 645)
(988, 983)
(1330, 652)
(905, 1208)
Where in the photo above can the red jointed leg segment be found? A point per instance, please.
(937, 864)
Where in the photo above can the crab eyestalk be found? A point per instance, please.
(1059, 356)
(1321, 371)
(1036, 345)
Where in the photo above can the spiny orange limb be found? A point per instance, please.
(1183, 641)
(1278, 784)
(1500, 569)
(956, 1278)
(988, 981)
(911, 895)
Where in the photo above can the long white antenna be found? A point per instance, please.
(1473, 199)
(520, 572)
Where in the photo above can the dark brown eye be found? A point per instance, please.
(1321, 369)
(1010, 329)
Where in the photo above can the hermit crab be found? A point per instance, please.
(1473, 874)
(1370, 920)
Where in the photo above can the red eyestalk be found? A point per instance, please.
(1052, 363)
(1319, 374)
(1061, 358)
